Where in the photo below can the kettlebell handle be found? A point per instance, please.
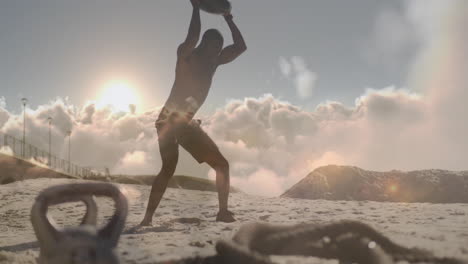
(47, 232)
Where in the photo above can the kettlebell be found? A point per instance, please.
(84, 244)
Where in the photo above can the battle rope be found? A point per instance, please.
(346, 241)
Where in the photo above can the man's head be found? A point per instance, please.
(212, 42)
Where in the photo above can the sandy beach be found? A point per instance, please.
(184, 224)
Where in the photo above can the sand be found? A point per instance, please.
(184, 224)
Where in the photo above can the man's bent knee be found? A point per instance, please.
(167, 171)
(221, 164)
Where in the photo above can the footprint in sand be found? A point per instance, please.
(149, 229)
(197, 244)
(264, 217)
(187, 220)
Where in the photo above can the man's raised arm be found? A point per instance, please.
(193, 33)
(233, 51)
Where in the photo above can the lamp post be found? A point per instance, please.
(50, 142)
(69, 150)
(24, 101)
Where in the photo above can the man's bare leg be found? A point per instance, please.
(221, 167)
(222, 185)
(160, 183)
(157, 192)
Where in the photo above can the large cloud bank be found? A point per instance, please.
(271, 144)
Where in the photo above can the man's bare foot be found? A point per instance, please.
(146, 222)
(225, 216)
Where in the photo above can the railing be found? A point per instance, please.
(32, 153)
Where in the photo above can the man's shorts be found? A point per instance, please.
(174, 131)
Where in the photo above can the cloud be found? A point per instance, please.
(270, 144)
(263, 182)
(399, 33)
(296, 69)
(393, 39)
(87, 113)
(2, 102)
(4, 115)
(99, 137)
(268, 136)
(126, 143)
(285, 66)
(137, 162)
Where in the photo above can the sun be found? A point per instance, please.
(119, 95)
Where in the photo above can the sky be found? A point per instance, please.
(70, 49)
(376, 84)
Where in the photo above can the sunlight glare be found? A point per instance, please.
(119, 95)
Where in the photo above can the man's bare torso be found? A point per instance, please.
(192, 83)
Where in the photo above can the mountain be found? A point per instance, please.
(352, 183)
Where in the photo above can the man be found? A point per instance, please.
(195, 68)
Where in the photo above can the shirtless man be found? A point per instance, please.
(195, 68)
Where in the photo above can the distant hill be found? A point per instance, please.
(15, 169)
(352, 183)
(177, 181)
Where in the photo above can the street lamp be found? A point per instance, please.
(69, 150)
(24, 101)
(50, 142)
